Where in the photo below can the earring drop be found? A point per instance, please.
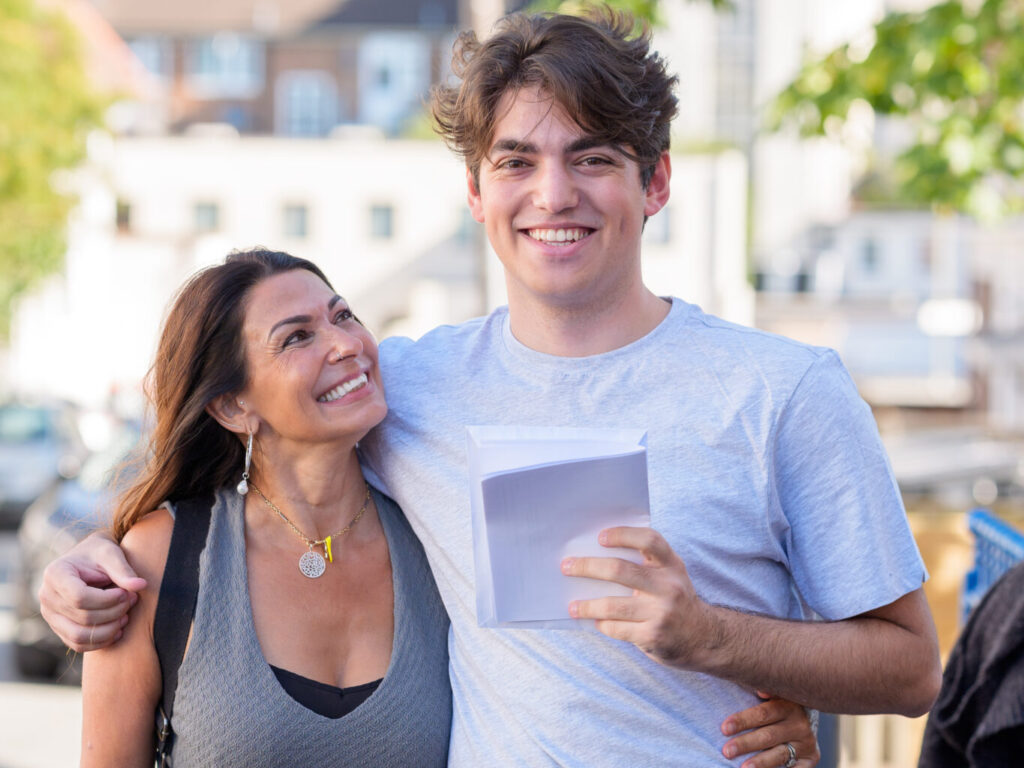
(243, 486)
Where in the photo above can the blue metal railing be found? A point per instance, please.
(998, 546)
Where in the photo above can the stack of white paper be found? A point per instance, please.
(541, 494)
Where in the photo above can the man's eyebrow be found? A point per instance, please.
(295, 319)
(579, 145)
(584, 143)
(511, 145)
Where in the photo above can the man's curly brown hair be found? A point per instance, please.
(596, 68)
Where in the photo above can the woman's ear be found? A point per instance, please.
(232, 414)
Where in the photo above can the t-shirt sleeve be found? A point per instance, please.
(372, 448)
(849, 544)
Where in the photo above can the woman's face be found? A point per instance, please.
(313, 374)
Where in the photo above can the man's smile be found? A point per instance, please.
(566, 235)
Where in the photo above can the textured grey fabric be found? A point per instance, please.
(230, 710)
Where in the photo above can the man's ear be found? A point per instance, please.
(476, 206)
(232, 414)
(656, 194)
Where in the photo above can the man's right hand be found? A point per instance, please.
(87, 593)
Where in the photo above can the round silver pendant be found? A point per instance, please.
(312, 564)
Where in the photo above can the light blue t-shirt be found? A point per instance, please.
(767, 477)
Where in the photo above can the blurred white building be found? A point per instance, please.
(871, 289)
(382, 219)
(386, 219)
(923, 308)
(851, 278)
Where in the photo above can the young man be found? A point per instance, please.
(771, 498)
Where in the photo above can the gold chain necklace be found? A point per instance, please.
(312, 564)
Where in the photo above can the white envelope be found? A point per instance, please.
(538, 495)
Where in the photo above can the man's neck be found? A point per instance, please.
(584, 331)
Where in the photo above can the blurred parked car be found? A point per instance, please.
(38, 445)
(56, 521)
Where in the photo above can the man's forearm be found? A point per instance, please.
(884, 661)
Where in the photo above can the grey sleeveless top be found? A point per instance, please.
(230, 710)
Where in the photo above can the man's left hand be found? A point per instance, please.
(663, 617)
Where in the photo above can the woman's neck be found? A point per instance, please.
(319, 491)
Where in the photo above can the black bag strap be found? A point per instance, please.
(176, 604)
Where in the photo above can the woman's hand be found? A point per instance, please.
(766, 729)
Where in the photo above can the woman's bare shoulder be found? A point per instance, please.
(121, 683)
(146, 545)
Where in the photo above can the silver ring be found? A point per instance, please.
(791, 760)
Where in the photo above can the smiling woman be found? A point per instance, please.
(312, 366)
(264, 372)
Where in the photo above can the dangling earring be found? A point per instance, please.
(243, 486)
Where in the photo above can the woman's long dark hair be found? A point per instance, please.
(200, 357)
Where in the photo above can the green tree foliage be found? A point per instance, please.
(955, 73)
(46, 111)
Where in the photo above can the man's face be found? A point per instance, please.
(563, 213)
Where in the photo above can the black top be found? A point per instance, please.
(978, 720)
(324, 699)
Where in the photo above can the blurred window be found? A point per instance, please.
(382, 222)
(123, 216)
(226, 65)
(307, 103)
(734, 72)
(869, 256)
(393, 71)
(296, 221)
(156, 55)
(206, 217)
(925, 255)
(237, 116)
